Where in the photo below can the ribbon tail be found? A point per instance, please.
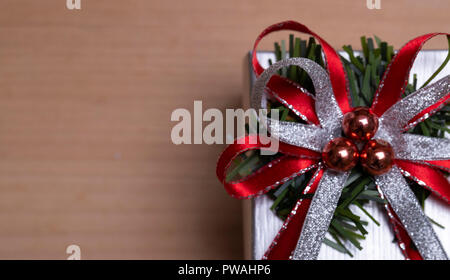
(286, 239)
(405, 205)
(404, 241)
(319, 215)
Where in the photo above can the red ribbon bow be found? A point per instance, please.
(296, 160)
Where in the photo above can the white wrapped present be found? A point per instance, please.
(261, 224)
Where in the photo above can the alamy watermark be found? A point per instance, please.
(373, 4)
(74, 252)
(73, 4)
(222, 129)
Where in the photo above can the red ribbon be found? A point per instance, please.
(334, 67)
(284, 243)
(404, 241)
(296, 160)
(396, 76)
(287, 92)
(427, 176)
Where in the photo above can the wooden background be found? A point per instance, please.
(85, 104)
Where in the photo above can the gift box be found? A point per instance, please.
(261, 224)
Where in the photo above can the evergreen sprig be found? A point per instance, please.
(364, 71)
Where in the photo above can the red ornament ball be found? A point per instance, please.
(340, 154)
(360, 124)
(377, 157)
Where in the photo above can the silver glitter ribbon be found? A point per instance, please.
(319, 215)
(405, 205)
(327, 110)
(392, 184)
(414, 148)
(399, 114)
(418, 147)
(314, 138)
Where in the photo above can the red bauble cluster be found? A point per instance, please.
(377, 157)
(360, 124)
(341, 154)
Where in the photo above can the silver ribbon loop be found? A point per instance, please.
(319, 215)
(414, 220)
(327, 109)
(407, 108)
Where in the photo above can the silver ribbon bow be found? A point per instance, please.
(392, 185)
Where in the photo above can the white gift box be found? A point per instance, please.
(261, 224)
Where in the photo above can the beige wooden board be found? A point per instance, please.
(85, 104)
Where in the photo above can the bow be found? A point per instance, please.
(389, 153)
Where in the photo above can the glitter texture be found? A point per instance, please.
(414, 148)
(319, 215)
(305, 136)
(326, 106)
(417, 147)
(404, 110)
(405, 205)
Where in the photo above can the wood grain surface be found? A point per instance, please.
(85, 103)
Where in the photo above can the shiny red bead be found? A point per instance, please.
(377, 157)
(340, 154)
(360, 124)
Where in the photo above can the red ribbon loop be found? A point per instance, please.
(444, 165)
(289, 94)
(427, 177)
(334, 64)
(395, 78)
(295, 161)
